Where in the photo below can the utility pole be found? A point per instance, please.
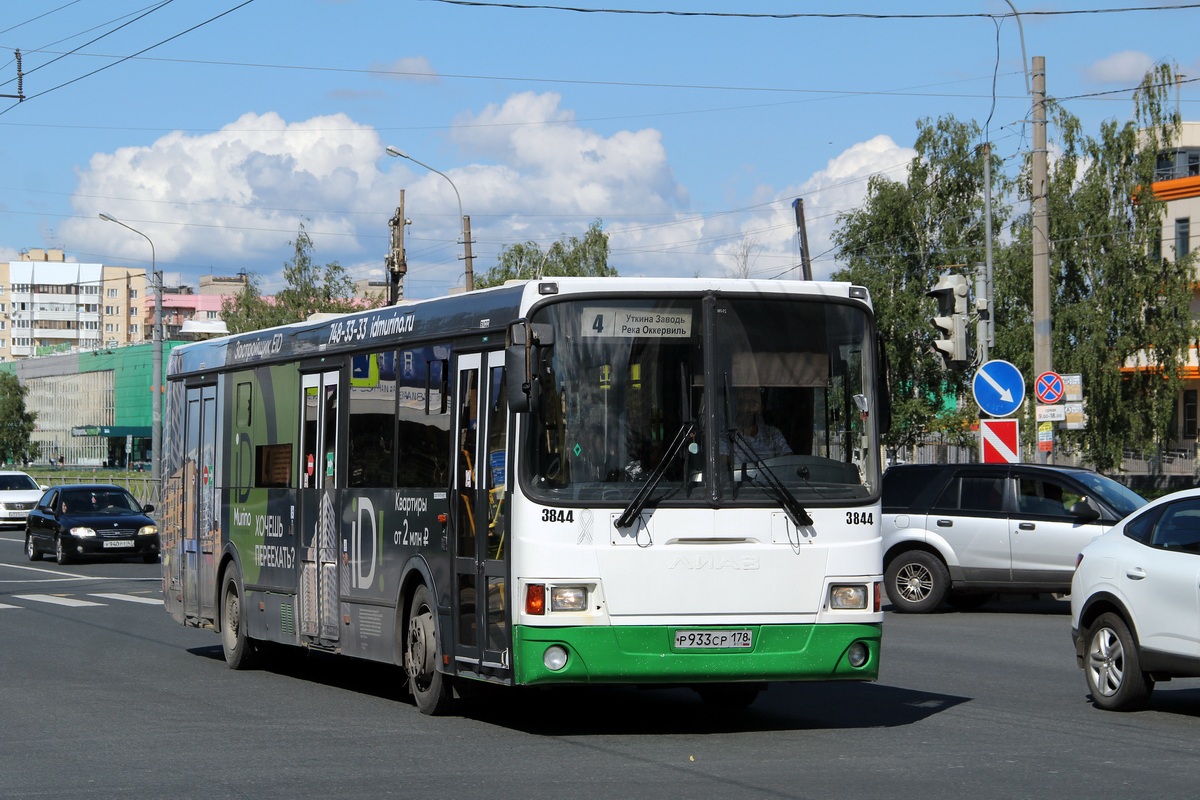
(397, 260)
(1039, 201)
(470, 272)
(805, 262)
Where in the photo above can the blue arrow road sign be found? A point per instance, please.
(999, 388)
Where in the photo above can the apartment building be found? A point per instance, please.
(50, 305)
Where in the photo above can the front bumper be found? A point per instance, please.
(134, 545)
(644, 654)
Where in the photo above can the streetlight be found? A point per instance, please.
(396, 152)
(157, 364)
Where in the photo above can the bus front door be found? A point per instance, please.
(319, 481)
(481, 631)
(200, 539)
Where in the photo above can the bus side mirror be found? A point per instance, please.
(527, 344)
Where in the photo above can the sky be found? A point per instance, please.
(216, 128)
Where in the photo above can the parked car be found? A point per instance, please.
(18, 494)
(80, 520)
(962, 532)
(1135, 610)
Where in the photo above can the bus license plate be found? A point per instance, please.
(118, 543)
(686, 640)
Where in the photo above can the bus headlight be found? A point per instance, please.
(568, 598)
(847, 597)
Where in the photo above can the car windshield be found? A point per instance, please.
(1117, 495)
(17, 483)
(97, 501)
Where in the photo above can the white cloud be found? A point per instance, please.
(839, 187)
(1126, 67)
(235, 197)
(238, 193)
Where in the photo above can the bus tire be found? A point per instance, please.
(429, 687)
(240, 650)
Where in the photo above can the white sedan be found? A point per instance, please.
(18, 494)
(1135, 602)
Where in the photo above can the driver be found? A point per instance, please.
(762, 439)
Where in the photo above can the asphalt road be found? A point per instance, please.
(114, 700)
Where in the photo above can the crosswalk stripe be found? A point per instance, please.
(129, 598)
(58, 601)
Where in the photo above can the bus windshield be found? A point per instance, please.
(777, 392)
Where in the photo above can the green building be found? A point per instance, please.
(93, 406)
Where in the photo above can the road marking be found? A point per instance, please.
(5, 605)
(55, 600)
(129, 598)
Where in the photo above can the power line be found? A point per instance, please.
(806, 14)
(133, 55)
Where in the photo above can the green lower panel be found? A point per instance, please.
(646, 654)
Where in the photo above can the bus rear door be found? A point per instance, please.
(201, 525)
(318, 507)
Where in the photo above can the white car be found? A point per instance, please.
(1135, 602)
(18, 494)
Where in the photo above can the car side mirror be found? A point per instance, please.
(146, 509)
(1085, 510)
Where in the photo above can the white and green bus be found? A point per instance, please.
(562, 481)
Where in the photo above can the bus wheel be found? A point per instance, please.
(239, 648)
(430, 688)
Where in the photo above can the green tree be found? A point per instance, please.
(15, 444)
(897, 243)
(310, 289)
(569, 256)
(1115, 302)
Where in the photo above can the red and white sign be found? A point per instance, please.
(1000, 441)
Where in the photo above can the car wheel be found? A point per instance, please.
(1113, 667)
(31, 549)
(61, 554)
(430, 688)
(916, 582)
(240, 650)
(150, 558)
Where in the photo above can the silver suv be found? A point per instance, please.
(962, 532)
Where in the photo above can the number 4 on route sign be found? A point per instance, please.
(1000, 441)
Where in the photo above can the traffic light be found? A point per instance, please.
(951, 293)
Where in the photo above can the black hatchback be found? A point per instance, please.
(89, 519)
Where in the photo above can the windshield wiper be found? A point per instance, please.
(775, 487)
(640, 499)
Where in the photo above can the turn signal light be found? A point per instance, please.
(535, 599)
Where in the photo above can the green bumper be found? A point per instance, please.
(646, 654)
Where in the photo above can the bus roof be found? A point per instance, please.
(484, 313)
